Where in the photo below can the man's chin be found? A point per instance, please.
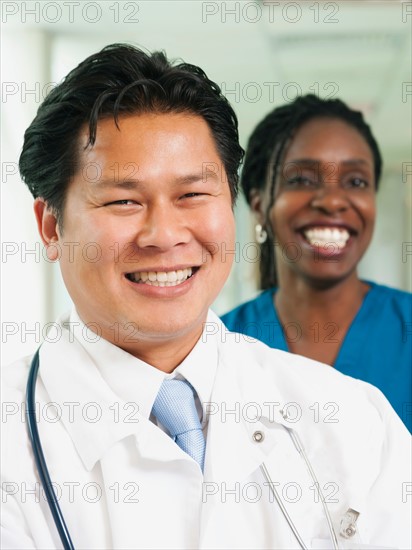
(134, 334)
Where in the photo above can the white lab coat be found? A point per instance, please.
(126, 485)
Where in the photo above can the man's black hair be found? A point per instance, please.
(267, 146)
(119, 80)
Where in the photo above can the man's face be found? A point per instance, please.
(143, 227)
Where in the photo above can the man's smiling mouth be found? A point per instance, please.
(162, 278)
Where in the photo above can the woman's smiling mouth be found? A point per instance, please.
(327, 236)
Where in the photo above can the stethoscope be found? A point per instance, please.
(39, 456)
(51, 495)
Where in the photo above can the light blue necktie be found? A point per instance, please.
(175, 408)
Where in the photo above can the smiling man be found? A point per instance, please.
(155, 222)
(167, 431)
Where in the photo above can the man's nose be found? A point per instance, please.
(164, 227)
(330, 199)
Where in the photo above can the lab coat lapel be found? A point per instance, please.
(91, 393)
(240, 408)
(70, 377)
(246, 429)
(231, 452)
(234, 454)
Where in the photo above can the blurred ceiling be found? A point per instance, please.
(261, 53)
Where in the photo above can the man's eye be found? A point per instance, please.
(192, 195)
(126, 202)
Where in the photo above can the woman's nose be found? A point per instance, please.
(330, 199)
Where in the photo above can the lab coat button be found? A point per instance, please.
(350, 531)
(258, 436)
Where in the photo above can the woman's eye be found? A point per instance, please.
(300, 181)
(358, 183)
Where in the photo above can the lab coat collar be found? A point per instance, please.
(131, 379)
(91, 410)
(101, 380)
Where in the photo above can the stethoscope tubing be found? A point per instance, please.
(39, 456)
(282, 506)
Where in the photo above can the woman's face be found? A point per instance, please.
(323, 212)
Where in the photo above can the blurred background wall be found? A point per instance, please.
(262, 54)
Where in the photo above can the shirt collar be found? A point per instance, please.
(200, 366)
(135, 381)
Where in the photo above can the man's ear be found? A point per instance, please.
(47, 227)
(256, 205)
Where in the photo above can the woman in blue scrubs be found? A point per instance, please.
(310, 175)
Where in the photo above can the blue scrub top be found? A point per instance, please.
(377, 347)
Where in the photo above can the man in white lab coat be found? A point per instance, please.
(133, 166)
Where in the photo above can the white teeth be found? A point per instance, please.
(324, 236)
(162, 278)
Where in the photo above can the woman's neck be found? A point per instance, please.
(320, 315)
